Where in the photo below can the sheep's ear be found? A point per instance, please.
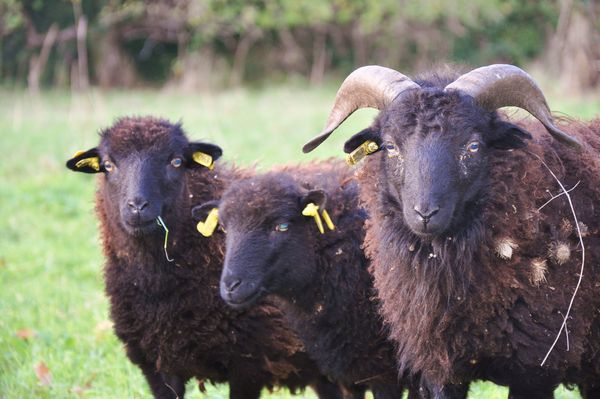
(207, 216)
(203, 154)
(314, 206)
(507, 136)
(86, 161)
(317, 197)
(368, 134)
(200, 212)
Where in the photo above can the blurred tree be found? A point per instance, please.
(207, 43)
(573, 52)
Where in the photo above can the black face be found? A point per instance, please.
(435, 159)
(142, 182)
(268, 240)
(144, 185)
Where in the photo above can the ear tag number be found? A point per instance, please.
(92, 162)
(203, 159)
(207, 228)
(366, 148)
(313, 210)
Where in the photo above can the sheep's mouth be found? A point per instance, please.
(246, 301)
(141, 227)
(425, 232)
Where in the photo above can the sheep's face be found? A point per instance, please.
(269, 246)
(436, 146)
(144, 162)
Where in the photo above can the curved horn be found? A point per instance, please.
(502, 85)
(370, 86)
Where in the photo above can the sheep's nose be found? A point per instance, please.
(231, 286)
(137, 205)
(425, 213)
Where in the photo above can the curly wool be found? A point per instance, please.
(335, 314)
(169, 315)
(467, 313)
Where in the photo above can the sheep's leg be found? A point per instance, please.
(537, 392)
(163, 386)
(326, 389)
(417, 392)
(353, 392)
(244, 389)
(448, 391)
(589, 391)
(386, 391)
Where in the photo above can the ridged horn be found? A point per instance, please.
(502, 85)
(371, 86)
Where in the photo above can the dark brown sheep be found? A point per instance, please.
(475, 276)
(168, 313)
(273, 247)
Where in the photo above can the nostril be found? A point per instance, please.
(233, 285)
(426, 214)
(137, 205)
(132, 207)
(433, 212)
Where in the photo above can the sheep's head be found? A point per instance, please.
(143, 161)
(269, 244)
(436, 140)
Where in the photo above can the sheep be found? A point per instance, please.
(474, 271)
(165, 301)
(317, 270)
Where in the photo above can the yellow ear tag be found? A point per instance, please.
(207, 228)
(327, 220)
(366, 148)
(313, 210)
(92, 162)
(203, 159)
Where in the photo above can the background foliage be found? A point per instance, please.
(216, 43)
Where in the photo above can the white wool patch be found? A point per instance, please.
(539, 267)
(585, 231)
(505, 247)
(559, 252)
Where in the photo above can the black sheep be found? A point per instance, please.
(474, 272)
(168, 313)
(320, 276)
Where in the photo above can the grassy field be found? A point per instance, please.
(55, 337)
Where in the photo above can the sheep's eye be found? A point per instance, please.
(176, 162)
(391, 149)
(108, 166)
(281, 227)
(473, 146)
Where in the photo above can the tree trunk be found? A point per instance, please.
(293, 59)
(319, 56)
(113, 66)
(83, 82)
(37, 64)
(241, 55)
(359, 45)
(200, 71)
(574, 50)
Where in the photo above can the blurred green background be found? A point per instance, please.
(257, 78)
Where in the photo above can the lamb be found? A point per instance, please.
(165, 301)
(475, 272)
(317, 270)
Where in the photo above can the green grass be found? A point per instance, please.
(50, 262)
